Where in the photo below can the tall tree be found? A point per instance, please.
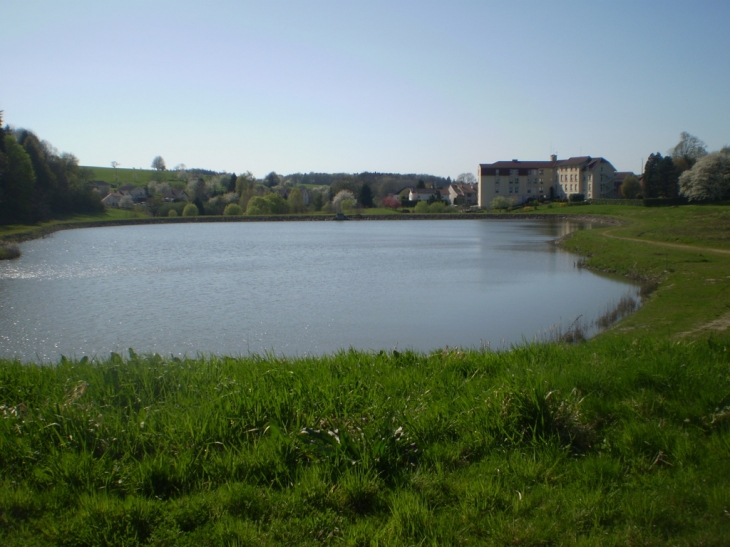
(366, 196)
(668, 178)
(272, 179)
(158, 163)
(18, 185)
(46, 183)
(688, 150)
(295, 201)
(231, 183)
(660, 177)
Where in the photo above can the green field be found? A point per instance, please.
(137, 177)
(621, 440)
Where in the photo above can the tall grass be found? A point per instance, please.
(8, 251)
(616, 441)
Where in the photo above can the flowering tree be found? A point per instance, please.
(391, 202)
(708, 179)
(344, 198)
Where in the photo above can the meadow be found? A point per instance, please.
(137, 177)
(620, 440)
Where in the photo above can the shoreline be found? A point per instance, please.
(44, 231)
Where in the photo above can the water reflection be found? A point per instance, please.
(294, 288)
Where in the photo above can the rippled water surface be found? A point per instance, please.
(293, 288)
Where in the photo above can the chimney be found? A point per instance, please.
(553, 157)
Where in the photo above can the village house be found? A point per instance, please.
(101, 187)
(462, 194)
(424, 194)
(521, 180)
(137, 193)
(112, 200)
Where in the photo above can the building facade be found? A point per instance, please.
(521, 181)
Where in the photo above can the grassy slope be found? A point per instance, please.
(619, 441)
(137, 177)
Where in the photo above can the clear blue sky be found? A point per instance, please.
(338, 86)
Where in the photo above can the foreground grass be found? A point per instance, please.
(617, 442)
(623, 440)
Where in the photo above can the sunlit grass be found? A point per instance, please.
(614, 439)
(622, 440)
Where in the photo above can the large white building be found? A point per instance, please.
(553, 179)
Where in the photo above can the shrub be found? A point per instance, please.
(500, 202)
(172, 213)
(165, 208)
(233, 210)
(576, 198)
(191, 210)
(437, 207)
(663, 202)
(257, 205)
(421, 207)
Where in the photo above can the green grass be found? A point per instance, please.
(137, 177)
(622, 440)
(24, 232)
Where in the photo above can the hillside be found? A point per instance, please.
(137, 177)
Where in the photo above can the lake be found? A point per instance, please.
(295, 288)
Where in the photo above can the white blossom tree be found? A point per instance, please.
(709, 178)
(344, 198)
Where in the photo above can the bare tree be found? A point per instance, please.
(466, 178)
(158, 163)
(688, 150)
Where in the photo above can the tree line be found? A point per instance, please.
(39, 183)
(688, 171)
(227, 193)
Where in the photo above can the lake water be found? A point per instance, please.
(294, 288)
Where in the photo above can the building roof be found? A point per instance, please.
(621, 175)
(576, 161)
(517, 164)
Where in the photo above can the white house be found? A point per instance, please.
(424, 194)
(112, 200)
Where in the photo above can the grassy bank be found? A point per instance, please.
(623, 440)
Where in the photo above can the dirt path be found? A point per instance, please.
(607, 233)
(720, 324)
